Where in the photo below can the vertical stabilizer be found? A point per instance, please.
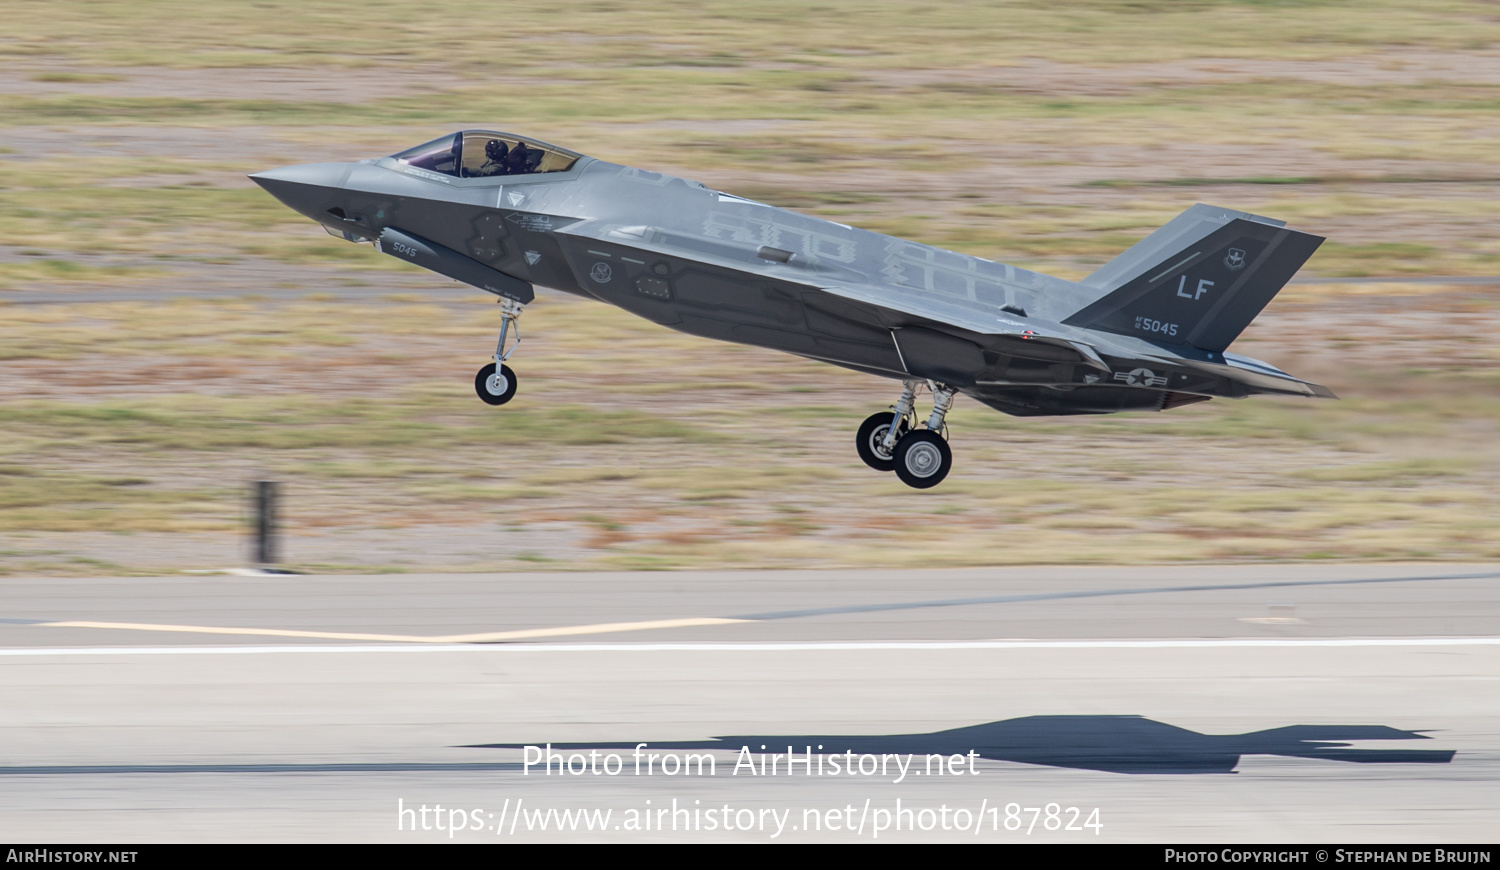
(1198, 281)
(1174, 235)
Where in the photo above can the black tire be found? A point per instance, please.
(502, 390)
(923, 459)
(871, 433)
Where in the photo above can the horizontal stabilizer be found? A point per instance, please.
(1268, 378)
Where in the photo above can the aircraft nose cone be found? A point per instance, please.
(307, 188)
(316, 174)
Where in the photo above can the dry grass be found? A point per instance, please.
(640, 447)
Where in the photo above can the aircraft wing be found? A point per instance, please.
(971, 316)
(929, 313)
(975, 317)
(1253, 374)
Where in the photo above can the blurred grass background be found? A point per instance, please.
(169, 332)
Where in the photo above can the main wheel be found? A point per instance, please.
(869, 440)
(495, 389)
(922, 458)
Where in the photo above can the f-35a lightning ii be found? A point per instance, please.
(1147, 332)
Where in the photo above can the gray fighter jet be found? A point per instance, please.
(505, 213)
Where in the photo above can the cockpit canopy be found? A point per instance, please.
(485, 154)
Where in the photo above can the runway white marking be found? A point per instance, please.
(482, 637)
(801, 646)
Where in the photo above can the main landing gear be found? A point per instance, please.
(891, 441)
(496, 383)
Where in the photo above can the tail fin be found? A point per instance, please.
(1199, 280)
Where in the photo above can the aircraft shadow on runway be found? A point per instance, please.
(1113, 744)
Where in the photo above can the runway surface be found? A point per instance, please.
(1273, 703)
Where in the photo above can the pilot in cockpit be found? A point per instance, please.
(484, 154)
(495, 153)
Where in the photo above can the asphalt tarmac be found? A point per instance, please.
(1272, 703)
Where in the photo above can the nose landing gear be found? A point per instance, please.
(496, 383)
(495, 387)
(891, 441)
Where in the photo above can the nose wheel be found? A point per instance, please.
(495, 384)
(889, 441)
(495, 387)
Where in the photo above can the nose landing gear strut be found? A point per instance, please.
(496, 383)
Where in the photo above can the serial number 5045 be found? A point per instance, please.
(1146, 324)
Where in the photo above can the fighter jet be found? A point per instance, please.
(1148, 331)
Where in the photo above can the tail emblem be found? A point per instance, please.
(1236, 260)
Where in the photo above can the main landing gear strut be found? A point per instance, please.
(496, 383)
(891, 441)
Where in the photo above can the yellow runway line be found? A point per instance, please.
(264, 632)
(486, 637)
